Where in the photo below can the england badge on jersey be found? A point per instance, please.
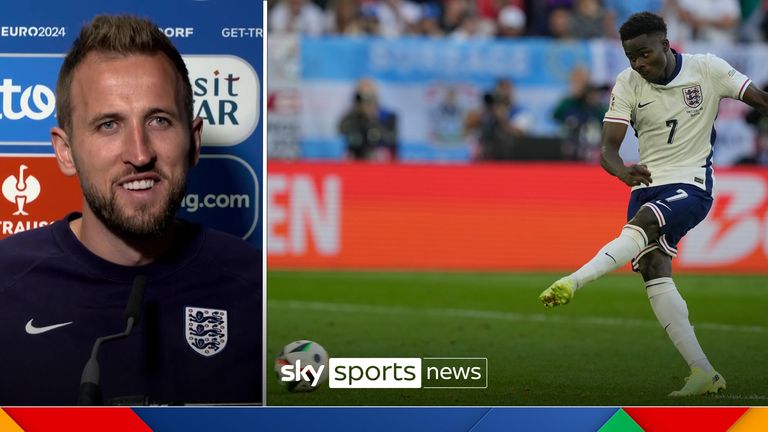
(692, 96)
(205, 330)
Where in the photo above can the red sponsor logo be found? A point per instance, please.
(34, 193)
(735, 234)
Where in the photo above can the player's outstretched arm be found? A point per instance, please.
(613, 135)
(756, 98)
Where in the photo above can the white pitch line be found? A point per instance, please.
(494, 315)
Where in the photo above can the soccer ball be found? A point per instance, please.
(307, 355)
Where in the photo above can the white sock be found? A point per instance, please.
(672, 313)
(612, 256)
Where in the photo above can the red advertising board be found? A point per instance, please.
(505, 217)
(34, 193)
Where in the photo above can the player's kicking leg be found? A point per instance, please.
(560, 292)
(676, 209)
(613, 255)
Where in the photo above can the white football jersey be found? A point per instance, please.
(675, 122)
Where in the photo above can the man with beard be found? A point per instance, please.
(126, 129)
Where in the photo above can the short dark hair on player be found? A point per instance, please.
(642, 23)
(119, 35)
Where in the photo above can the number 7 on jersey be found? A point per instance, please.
(671, 123)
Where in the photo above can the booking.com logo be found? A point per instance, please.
(193, 202)
(36, 102)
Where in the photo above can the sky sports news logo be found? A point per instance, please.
(226, 92)
(389, 373)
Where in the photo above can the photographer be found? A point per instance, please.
(370, 131)
(498, 123)
(580, 115)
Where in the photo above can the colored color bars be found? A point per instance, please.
(583, 419)
(71, 419)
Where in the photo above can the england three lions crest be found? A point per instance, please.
(692, 96)
(205, 330)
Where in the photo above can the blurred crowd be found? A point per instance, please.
(501, 127)
(498, 130)
(688, 20)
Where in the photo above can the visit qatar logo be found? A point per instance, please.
(227, 95)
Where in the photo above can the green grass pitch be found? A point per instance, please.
(605, 348)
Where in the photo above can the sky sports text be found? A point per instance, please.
(433, 372)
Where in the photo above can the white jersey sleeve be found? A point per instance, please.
(622, 100)
(728, 81)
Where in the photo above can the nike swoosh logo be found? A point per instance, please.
(640, 105)
(31, 329)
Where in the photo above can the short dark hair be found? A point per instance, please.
(642, 23)
(122, 35)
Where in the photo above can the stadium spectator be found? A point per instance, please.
(369, 130)
(296, 17)
(344, 17)
(495, 127)
(621, 10)
(429, 23)
(490, 9)
(369, 19)
(510, 22)
(539, 13)
(488, 12)
(580, 115)
(671, 100)
(559, 24)
(520, 118)
(472, 27)
(589, 20)
(454, 13)
(713, 21)
(489, 131)
(397, 17)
